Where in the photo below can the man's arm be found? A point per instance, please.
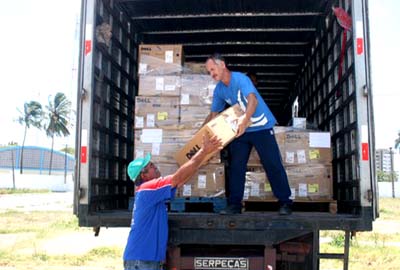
(187, 170)
(210, 116)
(245, 119)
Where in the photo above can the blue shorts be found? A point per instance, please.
(142, 265)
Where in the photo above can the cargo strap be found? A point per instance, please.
(345, 22)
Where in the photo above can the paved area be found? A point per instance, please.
(53, 201)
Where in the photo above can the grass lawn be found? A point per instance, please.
(23, 234)
(379, 249)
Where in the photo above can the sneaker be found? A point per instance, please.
(285, 210)
(231, 210)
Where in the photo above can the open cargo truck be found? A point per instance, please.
(296, 49)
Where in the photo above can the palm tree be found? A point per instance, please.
(397, 141)
(58, 111)
(32, 116)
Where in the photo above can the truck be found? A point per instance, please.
(312, 60)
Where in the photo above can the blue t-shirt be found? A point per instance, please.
(148, 236)
(237, 91)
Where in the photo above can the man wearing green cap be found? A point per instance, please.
(147, 240)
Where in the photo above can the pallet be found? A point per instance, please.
(197, 204)
(320, 205)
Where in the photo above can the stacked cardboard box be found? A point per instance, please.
(307, 158)
(167, 116)
(159, 85)
(156, 112)
(194, 68)
(156, 59)
(308, 182)
(157, 105)
(208, 181)
(300, 147)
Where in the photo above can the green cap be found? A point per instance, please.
(137, 165)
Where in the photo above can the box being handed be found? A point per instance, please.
(224, 126)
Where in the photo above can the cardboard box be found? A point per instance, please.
(163, 144)
(162, 85)
(224, 126)
(160, 59)
(158, 135)
(160, 152)
(308, 182)
(192, 117)
(306, 147)
(197, 90)
(300, 147)
(194, 68)
(156, 112)
(209, 181)
(311, 182)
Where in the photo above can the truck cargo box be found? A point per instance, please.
(311, 61)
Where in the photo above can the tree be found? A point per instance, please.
(397, 141)
(68, 150)
(57, 119)
(31, 116)
(383, 176)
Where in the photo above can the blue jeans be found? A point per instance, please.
(265, 144)
(141, 265)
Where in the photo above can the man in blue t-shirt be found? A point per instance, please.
(236, 88)
(147, 240)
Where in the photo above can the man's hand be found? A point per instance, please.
(243, 123)
(187, 170)
(211, 144)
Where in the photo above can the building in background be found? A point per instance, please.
(36, 160)
(383, 160)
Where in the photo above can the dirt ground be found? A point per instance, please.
(62, 201)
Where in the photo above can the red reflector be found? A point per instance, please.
(360, 46)
(83, 154)
(365, 151)
(88, 46)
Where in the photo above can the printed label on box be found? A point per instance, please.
(155, 149)
(139, 121)
(289, 157)
(161, 116)
(302, 190)
(292, 193)
(150, 120)
(185, 99)
(142, 68)
(169, 57)
(202, 180)
(187, 190)
(314, 154)
(301, 156)
(313, 188)
(255, 189)
(151, 136)
(139, 153)
(246, 193)
(169, 87)
(160, 83)
(320, 139)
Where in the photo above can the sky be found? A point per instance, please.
(39, 54)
